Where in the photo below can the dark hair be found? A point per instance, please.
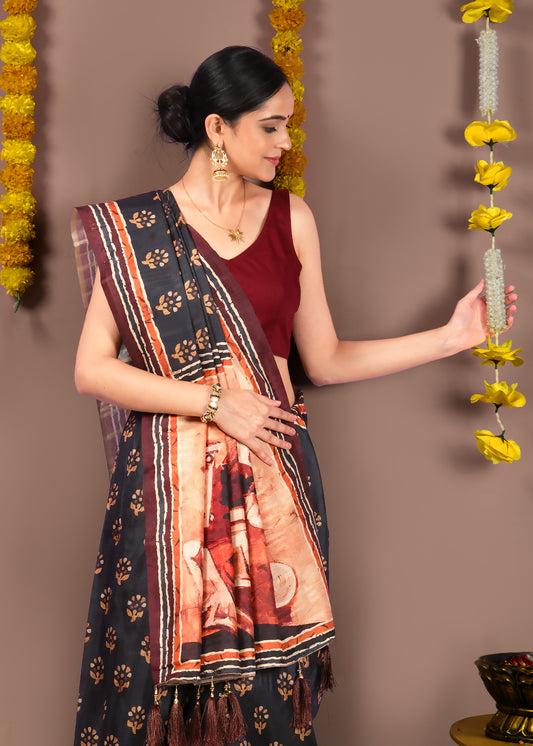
(229, 83)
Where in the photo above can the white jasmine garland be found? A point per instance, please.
(488, 72)
(494, 291)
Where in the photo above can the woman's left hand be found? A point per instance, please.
(468, 324)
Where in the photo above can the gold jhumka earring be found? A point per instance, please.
(219, 159)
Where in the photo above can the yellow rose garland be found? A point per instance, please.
(287, 18)
(494, 176)
(18, 79)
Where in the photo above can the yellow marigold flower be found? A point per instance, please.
(18, 127)
(297, 89)
(20, 27)
(493, 175)
(21, 202)
(488, 133)
(501, 395)
(298, 117)
(18, 78)
(19, 6)
(18, 151)
(15, 254)
(14, 231)
(283, 20)
(498, 354)
(292, 163)
(18, 104)
(17, 177)
(16, 280)
(496, 10)
(287, 4)
(296, 185)
(298, 136)
(496, 448)
(291, 64)
(488, 218)
(17, 53)
(287, 42)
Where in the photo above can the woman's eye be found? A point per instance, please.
(270, 130)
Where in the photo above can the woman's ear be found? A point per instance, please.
(215, 128)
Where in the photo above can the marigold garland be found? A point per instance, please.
(494, 176)
(18, 79)
(287, 18)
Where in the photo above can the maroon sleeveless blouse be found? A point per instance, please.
(268, 271)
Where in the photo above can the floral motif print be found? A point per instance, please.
(121, 677)
(156, 258)
(261, 716)
(97, 670)
(185, 351)
(136, 607)
(142, 219)
(145, 648)
(134, 459)
(123, 570)
(110, 638)
(191, 290)
(89, 737)
(112, 499)
(285, 683)
(242, 686)
(169, 302)
(105, 598)
(136, 718)
(117, 531)
(202, 338)
(136, 502)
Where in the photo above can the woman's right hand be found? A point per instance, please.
(254, 420)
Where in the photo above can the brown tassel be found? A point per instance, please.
(176, 727)
(210, 726)
(223, 715)
(194, 726)
(154, 730)
(236, 724)
(301, 702)
(328, 681)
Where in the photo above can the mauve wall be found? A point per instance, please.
(431, 549)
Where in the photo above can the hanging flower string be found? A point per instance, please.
(18, 79)
(287, 18)
(494, 176)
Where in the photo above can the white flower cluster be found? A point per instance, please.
(495, 291)
(488, 72)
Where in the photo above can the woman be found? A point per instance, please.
(211, 567)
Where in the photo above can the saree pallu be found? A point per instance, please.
(218, 559)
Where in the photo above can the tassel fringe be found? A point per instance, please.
(194, 726)
(211, 735)
(176, 726)
(328, 680)
(236, 724)
(155, 729)
(301, 702)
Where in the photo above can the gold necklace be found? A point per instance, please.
(235, 234)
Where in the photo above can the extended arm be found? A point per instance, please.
(327, 360)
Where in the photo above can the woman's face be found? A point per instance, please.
(256, 142)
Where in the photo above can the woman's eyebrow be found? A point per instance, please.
(275, 116)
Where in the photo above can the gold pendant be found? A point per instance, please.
(235, 234)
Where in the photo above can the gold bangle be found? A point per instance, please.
(212, 407)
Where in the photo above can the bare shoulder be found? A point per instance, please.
(304, 231)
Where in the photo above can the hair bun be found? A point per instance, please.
(174, 109)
